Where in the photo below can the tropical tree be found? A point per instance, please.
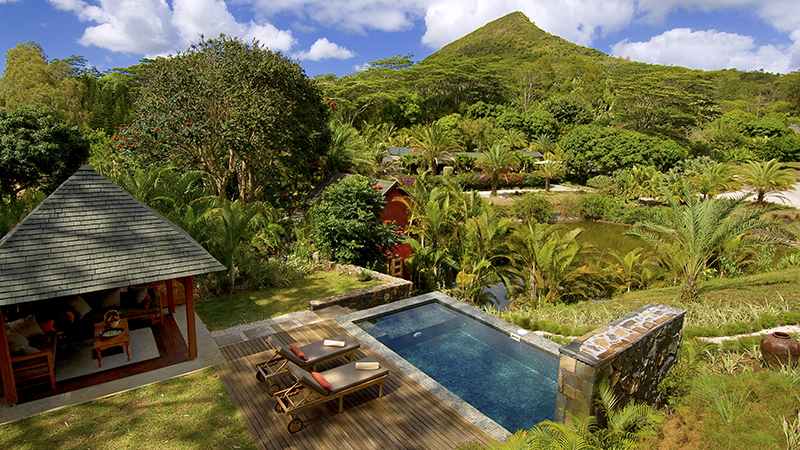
(690, 236)
(234, 224)
(497, 160)
(549, 264)
(767, 177)
(30, 79)
(550, 168)
(632, 270)
(484, 253)
(38, 150)
(247, 116)
(712, 179)
(433, 142)
(346, 150)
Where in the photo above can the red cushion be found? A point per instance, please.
(322, 381)
(147, 301)
(70, 316)
(298, 352)
(49, 326)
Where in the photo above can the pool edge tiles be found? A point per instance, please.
(492, 428)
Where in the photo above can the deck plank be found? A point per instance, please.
(406, 417)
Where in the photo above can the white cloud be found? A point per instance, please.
(324, 49)
(708, 50)
(347, 15)
(151, 28)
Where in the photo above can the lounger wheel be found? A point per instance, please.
(273, 389)
(260, 376)
(295, 425)
(278, 408)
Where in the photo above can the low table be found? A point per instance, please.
(120, 340)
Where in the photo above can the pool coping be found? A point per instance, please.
(492, 428)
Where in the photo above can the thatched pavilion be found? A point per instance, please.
(91, 235)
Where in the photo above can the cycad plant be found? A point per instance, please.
(690, 236)
(767, 177)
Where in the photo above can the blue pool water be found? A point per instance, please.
(513, 383)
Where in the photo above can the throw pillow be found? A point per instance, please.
(79, 306)
(27, 327)
(300, 354)
(49, 326)
(322, 381)
(110, 299)
(141, 295)
(18, 343)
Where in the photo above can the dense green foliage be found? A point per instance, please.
(347, 222)
(37, 150)
(247, 116)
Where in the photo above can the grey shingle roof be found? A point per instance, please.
(88, 235)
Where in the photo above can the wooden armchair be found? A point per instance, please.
(34, 369)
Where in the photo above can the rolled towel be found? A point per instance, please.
(332, 343)
(368, 365)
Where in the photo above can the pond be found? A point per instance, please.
(606, 235)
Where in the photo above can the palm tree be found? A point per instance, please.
(712, 179)
(767, 177)
(433, 142)
(347, 150)
(551, 167)
(484, 250)
(689, 237)
(233, 224)
(550, 266)
(632, 269)
(497, 160)
(515, 139)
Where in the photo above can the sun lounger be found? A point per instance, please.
(307, 391)
(316, 354)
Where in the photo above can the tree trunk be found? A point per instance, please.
(689, 290)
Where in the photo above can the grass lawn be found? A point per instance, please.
(223, 312)
(190, 412)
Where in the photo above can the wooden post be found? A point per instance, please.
(171, 296)
(6, 371)
(188, 285)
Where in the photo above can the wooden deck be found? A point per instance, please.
(406, 417)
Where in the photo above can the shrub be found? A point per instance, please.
(595, 206)
(533, 206)
(600, 181)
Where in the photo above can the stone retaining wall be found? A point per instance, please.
(633, 353)
(392, 290)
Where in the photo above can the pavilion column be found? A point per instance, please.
(6, 371)
(171, 296)
(188, 285)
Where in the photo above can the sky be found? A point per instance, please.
(343, 36)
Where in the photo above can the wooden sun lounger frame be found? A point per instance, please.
(268, 370)
(310, 397)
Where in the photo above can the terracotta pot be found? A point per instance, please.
(778, 347)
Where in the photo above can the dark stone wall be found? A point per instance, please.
(392, 290)
(633, 354)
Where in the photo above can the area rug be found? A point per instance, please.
(77, 359)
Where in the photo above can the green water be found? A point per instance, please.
(606, 235)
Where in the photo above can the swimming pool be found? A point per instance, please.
(471, 354)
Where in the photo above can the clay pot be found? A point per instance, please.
(776, 349)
